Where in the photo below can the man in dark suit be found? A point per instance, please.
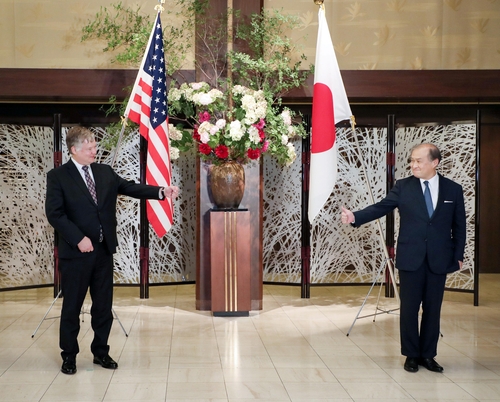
(431, 243)
(81, 205)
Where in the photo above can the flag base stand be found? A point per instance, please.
(115, 316)
(378, 310)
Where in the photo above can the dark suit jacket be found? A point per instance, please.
(441, 238)
(71, 210)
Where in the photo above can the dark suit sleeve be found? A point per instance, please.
(459, 226)
(378, 209)
(109, 182)
(55, 209)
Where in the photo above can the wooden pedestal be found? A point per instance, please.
(230, 262)
(253, 203)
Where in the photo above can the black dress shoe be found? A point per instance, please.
(411, 364)
(106, 361)
(430, 364)
(68, 366)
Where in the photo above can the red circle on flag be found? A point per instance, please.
(323, 123)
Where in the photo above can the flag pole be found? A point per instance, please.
(158, 8)
(118, 143)
(388, 259)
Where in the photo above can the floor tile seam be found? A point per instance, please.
(220, 357)
(127, 337)
(445, 383)
(482, 365)
(269, 357)
(170, 345)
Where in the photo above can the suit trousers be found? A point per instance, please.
(420, 288)
(94, 272)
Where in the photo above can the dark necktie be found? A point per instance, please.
(90, 183)
(428, 199)
(93, 193)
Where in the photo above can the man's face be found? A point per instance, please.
(421, 165)
(85, 153)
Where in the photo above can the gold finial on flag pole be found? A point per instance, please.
(319, 2)
(159, 7)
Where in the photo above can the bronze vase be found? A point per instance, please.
(227, 184)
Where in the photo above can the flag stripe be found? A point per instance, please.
(147, 107)
(330, 106)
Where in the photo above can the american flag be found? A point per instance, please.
(147, 107)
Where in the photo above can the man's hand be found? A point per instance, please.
(85, 246)
(347, 216)
(171, 192)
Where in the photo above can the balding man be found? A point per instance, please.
(431, 243)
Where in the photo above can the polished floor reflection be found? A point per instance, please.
(294, 350)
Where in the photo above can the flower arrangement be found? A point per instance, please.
(239, 124)
(219, 119)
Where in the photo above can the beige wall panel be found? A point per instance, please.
(367, 34)
(404, 34)
(46, 33)
(6, 31)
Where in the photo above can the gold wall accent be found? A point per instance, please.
(367, 34)
(404, 34)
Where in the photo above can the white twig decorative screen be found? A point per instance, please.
(26, 238)
(339, 254)
(457, 144)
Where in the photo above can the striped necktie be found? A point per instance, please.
(90, 183)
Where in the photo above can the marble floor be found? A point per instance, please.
(293, 350)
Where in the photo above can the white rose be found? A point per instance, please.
(174, 94)
(235, 130)
(284, 139)
(174, 153)
(292, 155)
(221, 123)
(251, 118)
(215, 94)
(287, 118)
(253, 134)
(197, 85)
(188, 94)
(204, 131)
(174, 133)
(203, 99)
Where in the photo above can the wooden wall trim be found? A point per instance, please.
(67, 85)
(89, 86)
(388, 86)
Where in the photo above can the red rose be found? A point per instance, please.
(196, 136)
(205, 149)
(260, 125)
(204, 116)
(221, 151)
(265, 146)
(253, 153)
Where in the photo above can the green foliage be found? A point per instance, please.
(269, 65)
(126, 30)
(265, 58)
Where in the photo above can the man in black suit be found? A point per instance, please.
(81, 205)
(431, 243)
